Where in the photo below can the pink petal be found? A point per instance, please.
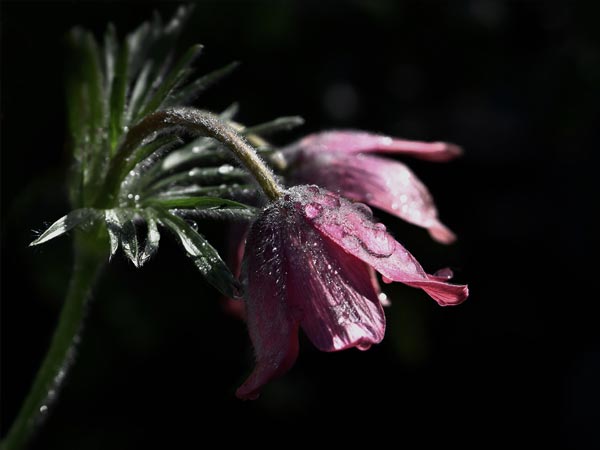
(352, 227)
(332, 295)
(273, 330)
(237, 240)
(298, 277)
(362, 142)
(383, 183)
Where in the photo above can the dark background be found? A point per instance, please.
(517, 84)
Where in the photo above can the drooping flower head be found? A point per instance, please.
(343, 162)
(309, 262)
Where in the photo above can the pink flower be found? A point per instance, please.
(338, 161)
(309, 264)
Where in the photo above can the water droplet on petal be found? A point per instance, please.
(313, 189)
(444, 273)
(363, 209)
(313, 210)
(380, 226)
(332, 200)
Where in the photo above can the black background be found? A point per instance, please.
(517, 84)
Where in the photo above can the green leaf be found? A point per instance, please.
(138, 93)
(198, 203)
(118, 96)
(225, 173)
(230, 112)
(78, 217)
(201, 151)
(243, 190)
(204, 255)
(113, 226)
(111, 48)
(152, 237)
(120, 223)
(179, 73)
(143, 151)
(190, 92)
(86, 104)
(129, 240)
(280, 124)
(95, 96)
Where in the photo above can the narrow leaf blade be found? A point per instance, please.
(279, 124)
(176, 77)
(190, 92)
(75, 218)
(152, 238)
(205, 256)
(199, 203)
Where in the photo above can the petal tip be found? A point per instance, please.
(441, 233)
(245, 394)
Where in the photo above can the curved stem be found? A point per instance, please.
(90, 256)
(198, 122)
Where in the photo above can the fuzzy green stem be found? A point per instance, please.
(198, 122)
(90, 256)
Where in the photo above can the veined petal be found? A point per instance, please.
(383, 183)
(362, 142)
(331, 293)
(273, 330)
(298, 277)
(353, 229)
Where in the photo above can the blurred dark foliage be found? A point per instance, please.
(516, 83)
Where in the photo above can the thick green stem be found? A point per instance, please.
(90, 256)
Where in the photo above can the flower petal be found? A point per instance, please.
(332, 294)
(298, 277)
(237, 240)
(352, 228)
(362, 142)
(383, 183)
(273, 330)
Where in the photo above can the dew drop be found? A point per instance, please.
(363, 209)
(43, 409)
(136, 198)
(380, 226)
(130, 196)
(332, 200)
(313, 210)
(196, 149)
(225, 168)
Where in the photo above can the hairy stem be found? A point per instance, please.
(90, 256)
(197, 122)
